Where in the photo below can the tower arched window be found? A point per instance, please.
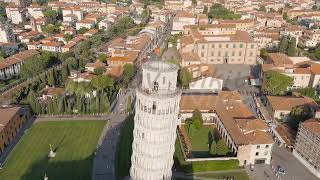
(155, 86)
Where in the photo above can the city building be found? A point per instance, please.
(85, 23)
(279, 107)
(52, 46)
(12, 119)
(10, 66)
(180, 20)
(155, 122)
(246, 136)
(307, 148)
(15, 14)
(6, 33)
(218, 44)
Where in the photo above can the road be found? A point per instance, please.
(293, 168)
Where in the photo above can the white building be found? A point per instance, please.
(104, 24)
(182, 19)
(86, 23)
(6, 33)
(155, 122)
(15, 14)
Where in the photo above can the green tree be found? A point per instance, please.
(292, 47)
(83, 30)
(263, 53)
(276, 83)
(217, 11)
(50, 108)
(102, 82)
(262, 8)
(299, 114)
(68, 37)
(309, 91)
(194, 2)
(50, 16)
(128, 73)
(184, 77)
(205, 10)
(213, 148)
(197, 119)
(64, 74)
(283, 46)
(3, 15)
(72, 63)
(52, 78)
(222, 148)
(99, 70)
(103, 57)
(285, 16)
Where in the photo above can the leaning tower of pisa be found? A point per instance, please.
(155, 122)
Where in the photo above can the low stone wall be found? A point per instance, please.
(211, 159)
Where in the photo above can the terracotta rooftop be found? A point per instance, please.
(6, 115)
(289, 102)
(313, 126)
(279, 59)
(22, 56)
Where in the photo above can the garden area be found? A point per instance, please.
(73, 141)
(203, 141)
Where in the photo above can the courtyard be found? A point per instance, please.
(73, 141)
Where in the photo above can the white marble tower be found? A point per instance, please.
(155, 122)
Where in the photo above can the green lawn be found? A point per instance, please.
(200, 138)
(202, 166)
(124, 149)
(73, 141)
(241, 175)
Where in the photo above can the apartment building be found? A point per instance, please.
(36, 11)
(310, 38)
(52, 46)
(6, 33)
(74, 10)
(240, 25)
(10, 66)
(85, 23)
(15, 14)
(307, 148)
(279, 107)
(218, 44)
(292, 13)
(247, 136)
(12, 119)
(182, 19)
(177, 5)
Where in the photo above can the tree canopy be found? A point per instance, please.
(297, 115)
(184, 77)
(276, 83)
(128, 73)
(309, 91)
(222, 148)
(217, 11)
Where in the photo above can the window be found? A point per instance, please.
(245, 162)
(233, 53)
(267, 146)
(203, 46)
(212, 45)
(212, 53)
(220, 45)
(252, 46)
(155, 86)
(226, 53)
(240, 53)
(227, 45)
(257, 153)
(251, 53)
(258, 147)
(163, 80)
(234, 45)
(202, 54)
(241, 45)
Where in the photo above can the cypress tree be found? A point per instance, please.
(283, 46)
(213, 148)
(222, 148)
(292, 47)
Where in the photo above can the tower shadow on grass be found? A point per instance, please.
(63, 170)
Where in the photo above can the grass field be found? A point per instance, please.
(202, 166)
(199, 139)
(241, 175)
(124, 149)
(73, 141)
